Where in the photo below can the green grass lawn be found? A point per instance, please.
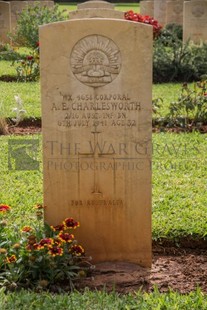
(103, 301)
(29, 93)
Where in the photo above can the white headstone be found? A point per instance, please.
(174, 12)
(96, 84)
(195, 21)
(147, 8)
(160, 7)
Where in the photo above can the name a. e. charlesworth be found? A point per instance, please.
(97, 106)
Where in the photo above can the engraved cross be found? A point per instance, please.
(95, 154)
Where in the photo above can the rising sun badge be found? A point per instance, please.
(95, 60)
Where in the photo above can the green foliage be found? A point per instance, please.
(172, 63)
(38, 255)
(172, 32)
(29, 21)
(190, 109)
(175, 61)
(7, 52)
(28, 68)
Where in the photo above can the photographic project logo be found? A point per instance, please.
(22, 154)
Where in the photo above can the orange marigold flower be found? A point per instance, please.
(55, 251)
(11, 259)
(77, 250)
(69, 223)
(4, 208)
(66, 237)
(26, 229)
(58, 227)
(3, 251)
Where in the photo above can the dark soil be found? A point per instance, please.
(27, 126)
(8, 78)
(181, 270)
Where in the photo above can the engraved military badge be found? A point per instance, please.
(198, 10)
(95, 60)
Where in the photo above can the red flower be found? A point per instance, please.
(4, 208)
(130, 15)
(77, 250)
(69, 223)
(66, 237)
(37, 44)
(33, 247)
(30, 57)
(55, 251)
(58, 227)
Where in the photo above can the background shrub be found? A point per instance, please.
(174, 61)
(29, 21)
(7, 52)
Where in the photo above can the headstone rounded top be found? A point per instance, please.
(95, 4)
(96, 13)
